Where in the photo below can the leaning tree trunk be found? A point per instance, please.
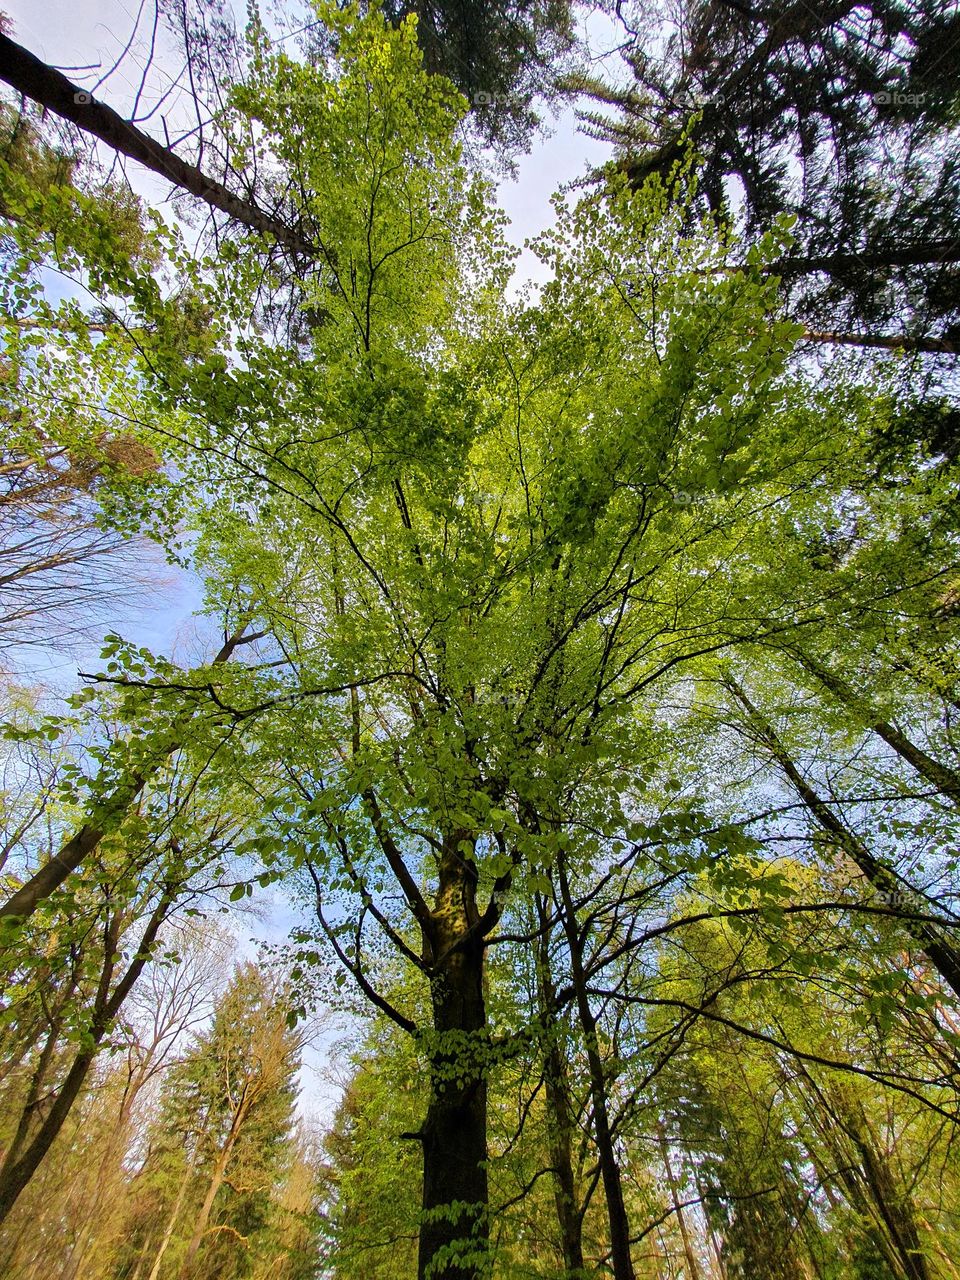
(941, 776)
(886, 1211)
(16, 1172)
(884, 342)
(455, 1229)
(936, 945)
(112, 811)
(620, 1255)
(27, 75)
(217, 1178)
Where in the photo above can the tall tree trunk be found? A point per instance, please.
(455, 1229)
(719, 1267)
(559, 1117)
(31, 1103)
(455, 1226)
(15, 1174)
(941, 953)
(51, 89)
(217, 1175)
(865, 1175)
(18, 1173)
(893, 1206)
(620, 1257)
(97, 1206)
(171, 1222)
(945, 779)
(693, 1265)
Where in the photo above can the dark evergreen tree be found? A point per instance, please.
(501, 54)
(840, 113)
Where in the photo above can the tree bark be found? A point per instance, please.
(16, 1173)
(24, 901)
(693, 1265)
(620, 1256)
(560, 1120)
(455, 1228)
(884, 342)
(941, 953)
(49, 87)
(926, 253)
(945, 779)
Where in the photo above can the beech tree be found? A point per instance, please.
(441, 760)
(522, 580)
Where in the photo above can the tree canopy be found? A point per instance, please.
(584, 691)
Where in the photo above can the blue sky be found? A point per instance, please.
(86, 39)
(94, 33)
(81, 36)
